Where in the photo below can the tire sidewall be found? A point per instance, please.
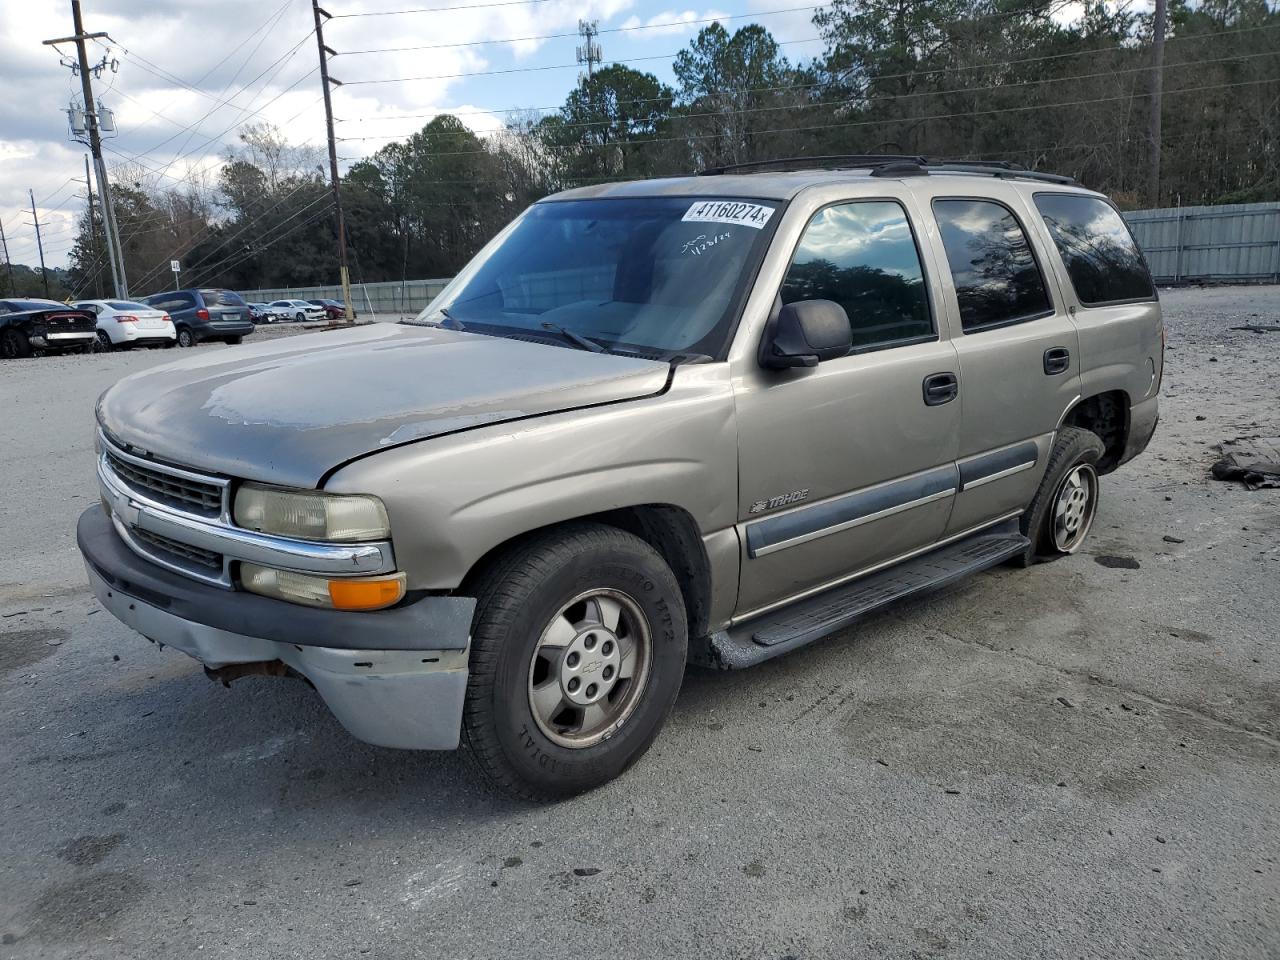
(548, 767)
(1073, 447)
(185, 334)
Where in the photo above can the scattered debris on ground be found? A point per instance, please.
(1254, 461)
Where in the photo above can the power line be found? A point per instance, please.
(281, 61)
(555, 66)
(563, 36)
(829, 82)
(886, 121)
(670, 118)
(235, 260)
(470, 6)
(830, 104)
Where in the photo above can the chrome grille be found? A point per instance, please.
(180, 552)
(178, 491)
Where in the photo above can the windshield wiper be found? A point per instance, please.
(450, 321)
(575, 338)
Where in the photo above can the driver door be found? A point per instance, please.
(850, 464)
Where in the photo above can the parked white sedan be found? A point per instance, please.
(124, 324)
(297, 310)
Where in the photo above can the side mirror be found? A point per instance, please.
(805, 333)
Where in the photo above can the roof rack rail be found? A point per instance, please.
(891, 165)
(1004, 169)
(837, 162)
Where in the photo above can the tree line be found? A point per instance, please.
(958, 79)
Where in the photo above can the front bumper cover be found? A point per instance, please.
(395, 678)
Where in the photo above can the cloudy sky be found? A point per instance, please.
(190, 72)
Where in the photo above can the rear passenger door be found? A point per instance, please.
(1018, 352)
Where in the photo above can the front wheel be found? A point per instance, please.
(300, 317)
(232, 341)
(1061, 515)
(102, 342)
(578, 650)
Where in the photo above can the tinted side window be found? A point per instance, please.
(173, 301)
(1101, 257)
(863, 256)
(996, 277)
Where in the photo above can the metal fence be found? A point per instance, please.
(1231, 242)
(368, 299)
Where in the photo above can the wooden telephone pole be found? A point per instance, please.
(326, 81)
(44, 274)
(1156, 102)
(115, 253)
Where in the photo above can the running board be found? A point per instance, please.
(773, 634)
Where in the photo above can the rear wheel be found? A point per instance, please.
(578, 651)
(232, 341)
(300, 317)
(185, 337)
(14, 345)
(1061, 515)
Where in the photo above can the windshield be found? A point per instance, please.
(653, 275)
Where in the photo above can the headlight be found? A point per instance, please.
(350, 593)
(310, 514)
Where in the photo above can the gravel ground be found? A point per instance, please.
(1077, 760)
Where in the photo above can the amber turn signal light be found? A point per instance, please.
(367, 593)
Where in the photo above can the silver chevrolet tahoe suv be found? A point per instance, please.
(708, 419)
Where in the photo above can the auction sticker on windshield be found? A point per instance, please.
(729, 211)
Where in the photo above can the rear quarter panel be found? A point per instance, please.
(1120, 343)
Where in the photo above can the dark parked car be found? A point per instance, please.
(204, 314)
(333, 309)
(27, 326)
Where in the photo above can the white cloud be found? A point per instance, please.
(672, 23)
(178, 46)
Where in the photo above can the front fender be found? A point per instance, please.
(453, 499)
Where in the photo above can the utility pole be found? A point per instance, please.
(325, 81)
(13, 291)
(93, 231)
(44, 274)
(1157, 96)
(115, 253)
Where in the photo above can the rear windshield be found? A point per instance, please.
(223, 298)
(654, 276)
(22, 306)
(1101, 257)
(126, 305)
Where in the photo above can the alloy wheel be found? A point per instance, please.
(590, 668)
(1074, 507)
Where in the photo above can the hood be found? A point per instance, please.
(290, 411)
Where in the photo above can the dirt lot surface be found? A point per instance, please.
(1077, 760)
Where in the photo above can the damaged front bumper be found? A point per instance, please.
(394, 678)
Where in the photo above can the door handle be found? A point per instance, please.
(940, 388)
(1056, 360)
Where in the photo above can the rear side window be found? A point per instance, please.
(1101, 257)
(863, 256)
(171, 301)
(996, 276)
